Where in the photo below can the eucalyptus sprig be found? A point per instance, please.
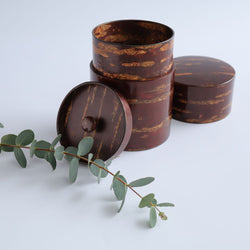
(51, 153)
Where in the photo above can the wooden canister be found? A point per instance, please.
(136, 58)
(151, 107)
(133, 49)
(203, 89)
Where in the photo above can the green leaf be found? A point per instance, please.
(114, 177)
(1, 125)
(20, 157)
(55, 141)
(154, 202)
(70, 150)
(73, 169)
(85, 146)
(96, 171)
(108, 162)
(59, 153)
(9, 139)
(152, 217)
(165, 204)
(33, 148)
(119, 188)
(90, 157)
(25, 137)
(51, 159)
(142, 182)
(146, 200)
(123, 200)
(99, 176)
(41, 145)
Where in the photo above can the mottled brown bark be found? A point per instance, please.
(203, 89)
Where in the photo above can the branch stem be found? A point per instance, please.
(86, 160)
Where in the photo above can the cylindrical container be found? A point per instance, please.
(203, 89)
(133, 49)
(151, 107)
(136, 58)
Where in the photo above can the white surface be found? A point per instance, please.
(45, 50)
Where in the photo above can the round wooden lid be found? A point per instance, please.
(93, 109)
(201, 71)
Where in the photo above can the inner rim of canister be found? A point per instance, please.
(133, 33)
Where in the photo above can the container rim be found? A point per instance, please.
(134, 45)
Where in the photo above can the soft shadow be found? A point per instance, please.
(58, 183)
(110, 210)
(142, 224)
(77, 197)
(109, 198)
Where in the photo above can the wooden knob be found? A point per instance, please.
(88, 124)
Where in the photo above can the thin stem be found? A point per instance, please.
(86, 160)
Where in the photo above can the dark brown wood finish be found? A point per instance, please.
(136, 58)
(93, 109)
(151, 106)
(133, 49)
(203, 89)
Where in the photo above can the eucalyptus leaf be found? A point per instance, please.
(90, 157)
(55, 141)
(152, 217)
(142, 182)
(146, 200)
(154, 202)
(123, 200)
(41, 145)
(33, 148)
(165, 204)
(9, 139)
(51, 159)
(73, 169)
(119, 187)
(25, 137)
(114, 177)
(108, 162)
(59, 153)
(96, 171)
(1, 125)
(99, 176)
(70, 150)
(85, 146)
(20, 157)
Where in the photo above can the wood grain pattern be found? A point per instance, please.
(111, 113)
(203, 89)
(133, 49)
(151, 106)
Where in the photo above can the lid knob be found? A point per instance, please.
(88, 124)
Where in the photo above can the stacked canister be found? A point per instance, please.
(136, 59)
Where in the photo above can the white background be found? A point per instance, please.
(45, 50)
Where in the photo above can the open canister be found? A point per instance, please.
(135, 57)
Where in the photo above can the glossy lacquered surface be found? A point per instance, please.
(133, 49)
(136, 58)
(151, 106)
(203, 89)
(93, 109)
